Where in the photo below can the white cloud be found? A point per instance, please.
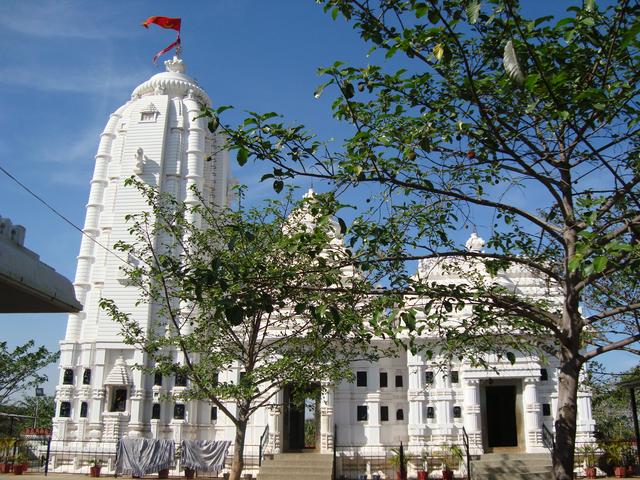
(90, 81)
(61, 19)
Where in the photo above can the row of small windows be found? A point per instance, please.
(67, 378)
(178, 411)
(361, 379)
(362, 412)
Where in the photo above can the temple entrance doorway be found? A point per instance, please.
(301, 430)
(501, 416)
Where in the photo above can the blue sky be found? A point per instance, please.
(66, 65)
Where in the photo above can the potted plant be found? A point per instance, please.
(189, 472)
(19, 464)
(614, 454)
(589, 455)
(422, 473)
(164, 473)
(451, 457)
(94, 467)
(400, 463)
(6, 445)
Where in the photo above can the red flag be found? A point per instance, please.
(164, 22)
(165, 50)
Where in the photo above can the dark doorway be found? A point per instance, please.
(301, 418)
(501, 416)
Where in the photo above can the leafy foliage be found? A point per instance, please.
(478, 114)
(259, 291)
(20, 367)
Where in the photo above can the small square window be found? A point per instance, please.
(457, 412)
(362, 413)
(119, 400)
(546, 409)
(67, 377)
(399, 414)
(428, 377)
(398, 381)
(178, 411)
(455, 378)
(430, 412)
(214, 414)
(383, 379)
(147, 116)
(65, 409)
(544, 375)
(384, 413)
(157, 379)
(84, 408)
(181, 380)
(361, 379)
(86, 376)
(155, 411)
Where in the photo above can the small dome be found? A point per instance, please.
(119, 374)
(173, 82)
(475, 243)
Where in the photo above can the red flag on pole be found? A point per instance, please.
(165, 22)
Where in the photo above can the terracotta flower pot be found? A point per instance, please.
(620, 472)
(447, 474)
(164, 473)
(590, 472)
(188, 473)
(422, 475)
(94, 471)
(18, 469)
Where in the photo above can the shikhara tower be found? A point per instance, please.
(157, 137)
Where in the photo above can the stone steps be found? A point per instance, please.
(517, 466)
(285, 466)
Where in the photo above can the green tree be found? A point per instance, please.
(611, 403)
(253, 291)
(20, 368)
(477, 113)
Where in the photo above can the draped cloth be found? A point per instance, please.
(140, 456)
(204, 455)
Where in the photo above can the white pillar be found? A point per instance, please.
(471, 412)
(532, 415)
(326, 421)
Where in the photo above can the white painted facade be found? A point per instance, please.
(101, 398)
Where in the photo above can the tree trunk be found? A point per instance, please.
(566, 417)
(238, 449)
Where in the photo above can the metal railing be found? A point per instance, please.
(547, 439)
(465, 441)
(263, 443)
(335, 442)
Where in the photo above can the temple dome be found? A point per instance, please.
(172, 82)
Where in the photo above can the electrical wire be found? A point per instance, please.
(48, 205)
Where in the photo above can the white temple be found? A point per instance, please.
(407, 398)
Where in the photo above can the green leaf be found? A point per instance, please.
(278, 185)
(421, 10)
(473, 11)
(243, 156)
(575, 262)
(599, 264)
(511, 357)
(438, 51)
(300, 308)
(511, 64)
(318, 92)
(235, 314)
(589, 5)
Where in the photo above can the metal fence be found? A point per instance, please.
(45, 455)
(356, 463)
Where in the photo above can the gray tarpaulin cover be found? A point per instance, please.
(139, 456)
(204, 455)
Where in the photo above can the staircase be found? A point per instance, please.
(512, 466)
(285, 466)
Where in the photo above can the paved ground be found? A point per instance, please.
(69, 476)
